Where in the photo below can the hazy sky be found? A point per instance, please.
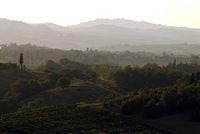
(67, 12)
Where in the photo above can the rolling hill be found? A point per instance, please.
(77, 92)
(71, 119)
(10, 76)
(96, 34)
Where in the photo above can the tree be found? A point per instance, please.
(151, 75)
(21, 61)
(50, 66)
(52, 76)
(174, 63)
(169, 65)
(91, 75)
(63, 82)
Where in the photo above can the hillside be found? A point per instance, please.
(71, 119)
(70, 97)
(65, 96)
(63, 82)
(77, 92)
(9, 76)
(95, 34)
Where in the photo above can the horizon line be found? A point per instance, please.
(139, 21)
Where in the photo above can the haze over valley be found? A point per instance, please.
(117, 34)
(99, 67)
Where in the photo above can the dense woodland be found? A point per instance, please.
(73, 91)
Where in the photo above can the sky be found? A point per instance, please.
(68, 12)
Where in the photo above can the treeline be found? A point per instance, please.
(158, 102)
(190, 67)
(148, 76)
(35, 55)
(127, 78)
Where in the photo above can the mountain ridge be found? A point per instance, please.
(95, 34)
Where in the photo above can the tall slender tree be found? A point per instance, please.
(21, 61)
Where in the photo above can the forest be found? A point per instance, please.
(44, 90)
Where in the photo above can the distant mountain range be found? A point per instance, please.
(96, 34)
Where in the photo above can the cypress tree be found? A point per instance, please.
(21, 61)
